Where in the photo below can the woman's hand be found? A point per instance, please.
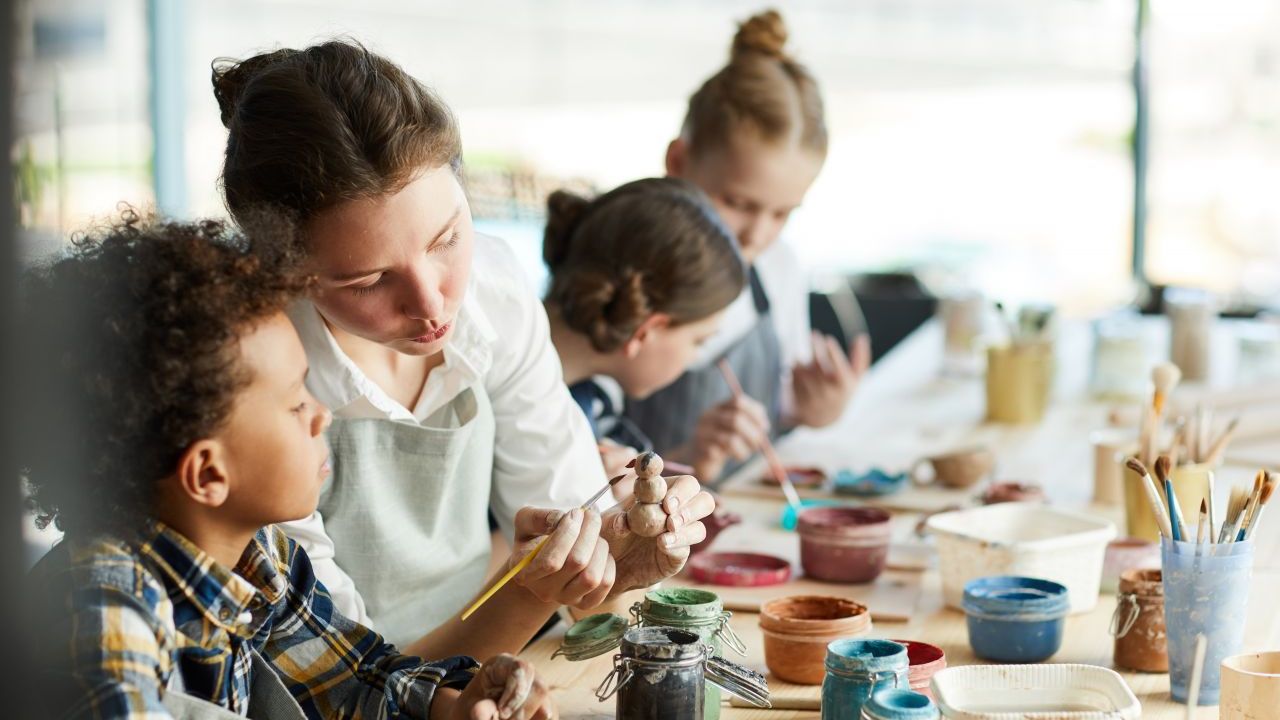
(643, 561)
(822, 388)
(505, 687)
(575, 567)
(734, 429)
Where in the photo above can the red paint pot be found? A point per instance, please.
(797, 630)
(923, 661)
(843, 544)
(739, 569)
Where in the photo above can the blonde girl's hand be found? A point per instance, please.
(574, 567)
(822, 387)
(505, 688)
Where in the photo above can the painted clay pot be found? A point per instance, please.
(797, 630)
(923, 661)
(844, 544)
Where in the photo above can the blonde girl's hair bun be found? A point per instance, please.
(764, 33)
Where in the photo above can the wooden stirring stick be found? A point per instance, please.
(524, 562)
(776, 467)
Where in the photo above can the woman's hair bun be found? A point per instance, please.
(230, 77)
(564, 209)
(764, 33)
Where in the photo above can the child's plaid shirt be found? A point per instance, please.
(125, 622)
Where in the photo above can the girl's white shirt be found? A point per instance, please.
(544, 453)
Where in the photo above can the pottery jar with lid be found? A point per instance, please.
(797, 630)
(698, 611)
(857, 668)
(844, 544)
(1138, 622)
(663, 672)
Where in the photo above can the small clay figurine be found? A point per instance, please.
(646, 517)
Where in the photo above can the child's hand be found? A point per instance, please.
(823, 387)
(734, 429)
(505, 687)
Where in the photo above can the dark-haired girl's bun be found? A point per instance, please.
(564, 209)
(763, 34)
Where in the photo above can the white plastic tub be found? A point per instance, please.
(1026, 539)
(1025, 692)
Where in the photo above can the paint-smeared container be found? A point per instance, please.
(663, 672)
(1015, 619)
(923, 662)
(1127, 553)
(798, 629)
(1024, 539)
(844, 544)
(899, 705)
(1060, 692)
(698, 611)
(856, 669)
(1138, 623)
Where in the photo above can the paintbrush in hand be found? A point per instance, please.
(524, 562)
(771, 458)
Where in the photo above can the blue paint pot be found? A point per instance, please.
(899, 705)
(1015, 619)
(857, 668)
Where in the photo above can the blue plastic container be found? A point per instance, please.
(1015, 619)
(857, 668)
(899, 705)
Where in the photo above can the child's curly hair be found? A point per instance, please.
(131, 348)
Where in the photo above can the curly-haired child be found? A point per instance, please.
(172, 594)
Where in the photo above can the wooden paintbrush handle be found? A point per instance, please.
(515, 570)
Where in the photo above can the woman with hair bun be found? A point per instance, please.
(433, 352)
(640, 277)
(754, 139)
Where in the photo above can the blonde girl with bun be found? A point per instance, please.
(754, 139)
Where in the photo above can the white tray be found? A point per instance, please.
(1018, 692)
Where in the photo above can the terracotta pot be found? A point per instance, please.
(797, 630)
(1138, 623)
(844, 544)
(923, 660)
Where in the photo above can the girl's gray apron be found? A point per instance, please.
(670, 415)
(269, 699)
(406, 509)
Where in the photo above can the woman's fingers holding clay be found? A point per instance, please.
(688, 506)
(686, 536)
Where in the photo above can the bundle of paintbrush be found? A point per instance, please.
(1244, 511)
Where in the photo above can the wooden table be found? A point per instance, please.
(904, 410)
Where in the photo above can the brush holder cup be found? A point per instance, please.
(1019, 382)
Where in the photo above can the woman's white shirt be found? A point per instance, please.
(544, 452)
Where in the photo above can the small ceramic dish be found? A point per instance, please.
(872, 483)
(739, 569)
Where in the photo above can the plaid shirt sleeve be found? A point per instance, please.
(338, 668)
(117, 665)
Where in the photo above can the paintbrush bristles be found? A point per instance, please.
(1230, 521)
(1164, 377)
(1163, 465)
(1153, 497)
